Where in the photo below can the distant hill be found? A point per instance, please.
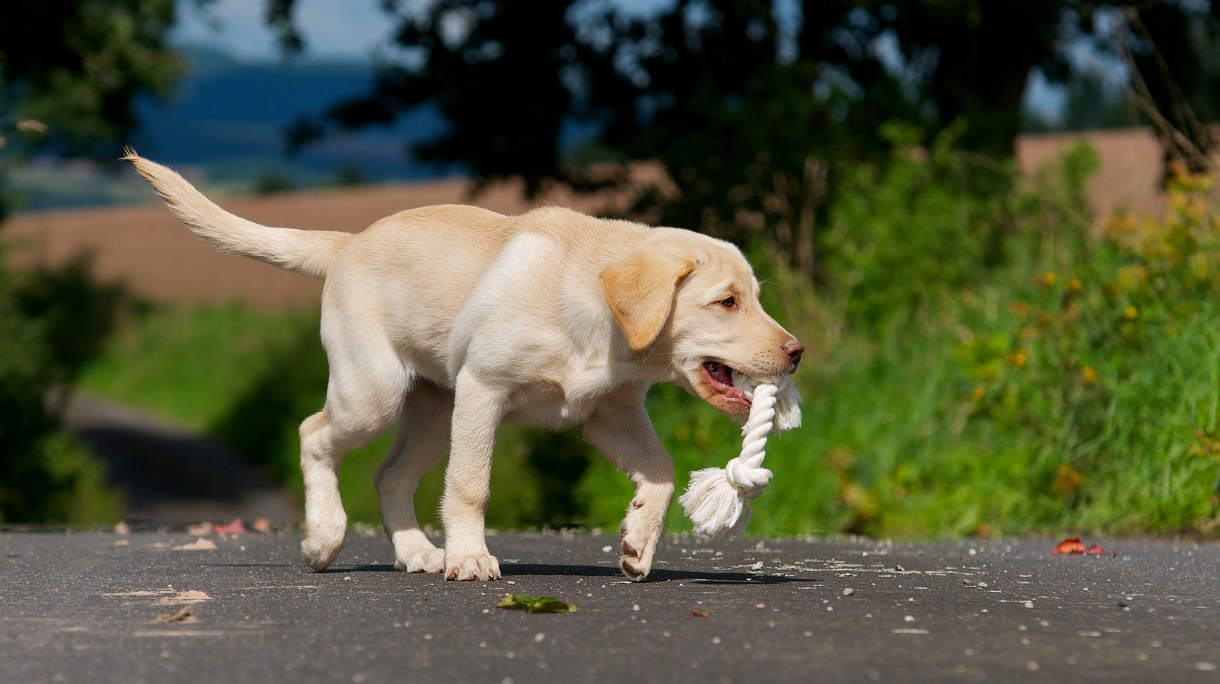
(228, 116)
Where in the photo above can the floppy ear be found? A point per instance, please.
(640, 290)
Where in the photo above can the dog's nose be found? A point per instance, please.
(793, 348)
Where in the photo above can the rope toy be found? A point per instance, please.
(717, 499)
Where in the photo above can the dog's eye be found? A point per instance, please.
(729, 303)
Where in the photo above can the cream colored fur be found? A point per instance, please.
(449, 320)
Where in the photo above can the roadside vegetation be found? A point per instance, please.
(985, 360)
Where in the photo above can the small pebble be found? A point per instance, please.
(607, 548)
(1029, 604)
(849, 591)
(909, 618)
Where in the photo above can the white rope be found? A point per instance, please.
(716, 500)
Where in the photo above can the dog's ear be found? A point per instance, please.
(640, 289)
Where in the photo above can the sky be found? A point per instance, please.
(345, 29)
(350, 29)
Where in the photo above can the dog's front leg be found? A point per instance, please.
(477, 411)
(624, 434)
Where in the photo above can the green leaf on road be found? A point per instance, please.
(536, 604)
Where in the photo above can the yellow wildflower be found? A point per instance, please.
(1089, 374)
(1131, 313)
(1074, 284)
(1017, 359)
(1049, 279)
(978, 393)
(1067, 479)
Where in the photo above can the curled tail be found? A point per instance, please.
(310, 252)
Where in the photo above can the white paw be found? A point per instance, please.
(636, 561)
(421, 560)
(481, 566)
(320, 550)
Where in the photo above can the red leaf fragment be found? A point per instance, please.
(235, 527)
(700, 613)
(1072, 545)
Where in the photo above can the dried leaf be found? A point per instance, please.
(700, 613)
(199, 544)
(1072, 545)
(261, 525)
(199, 529)
(185, 614)
(235, 527)
(536, 604)
(187, 597)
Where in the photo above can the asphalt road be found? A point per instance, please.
(78, 606)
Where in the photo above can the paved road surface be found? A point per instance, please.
(84, 607)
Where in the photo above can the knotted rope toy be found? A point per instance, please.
(717, 499)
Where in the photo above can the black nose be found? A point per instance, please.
(793, 348)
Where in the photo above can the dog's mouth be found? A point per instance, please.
(719, 379)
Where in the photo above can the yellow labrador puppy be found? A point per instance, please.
(451, 319)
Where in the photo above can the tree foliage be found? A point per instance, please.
(70, 74)
(77, 67)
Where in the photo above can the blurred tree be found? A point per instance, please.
(70, 72)
(748, 104)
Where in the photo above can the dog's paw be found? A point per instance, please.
(481, 566)
(636, 561)
(422, 560)
(318, 552)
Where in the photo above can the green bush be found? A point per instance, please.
(49, 325)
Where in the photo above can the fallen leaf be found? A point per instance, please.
(262, 525)
(199, 529)
(187, 597)
(536, 604)
(1072, 545)
(199, 544)
(700, 613)
(185, 614)
(235, 527)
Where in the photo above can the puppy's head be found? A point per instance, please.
(694, 300)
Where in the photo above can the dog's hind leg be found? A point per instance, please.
(363, 397)
(423, 438)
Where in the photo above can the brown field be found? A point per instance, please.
(149, 251)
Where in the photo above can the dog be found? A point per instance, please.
(448, 320)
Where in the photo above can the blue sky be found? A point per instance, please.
(331, 28)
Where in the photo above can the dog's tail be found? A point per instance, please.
(310, 252)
